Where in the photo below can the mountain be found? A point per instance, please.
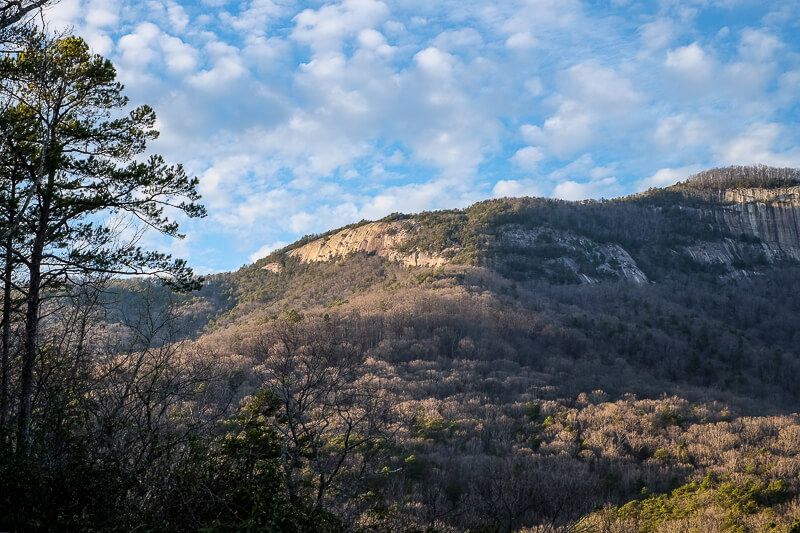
(732, 221)
(545, 359)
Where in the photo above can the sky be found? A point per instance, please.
(300, 117)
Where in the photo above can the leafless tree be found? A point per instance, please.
(333, 419)
(150, 395)
(15, 11)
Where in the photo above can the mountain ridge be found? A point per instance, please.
(745, 217)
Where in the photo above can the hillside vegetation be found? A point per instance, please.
(616, 365)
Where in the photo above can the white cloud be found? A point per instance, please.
(759, 45)
(515, 188)
(666, 176)
(137, 49)
(99, 42)
(521, 41)
(692, 66)
(658, 34)
(413, 198)
(570, 129)
(64, 13)
(592, 98)
(177, 16)
(374, 40)
(458, 40)
(179, 56)
(528, 158)
(325, 29)
(520, 17)
(254, 18)
(691, 60)
(102, 13)
(679, 131)
(302, 222)
(227, 67)
(267, 249)
(759, 144)
(435, 62)
(573, 190)
(147, 46)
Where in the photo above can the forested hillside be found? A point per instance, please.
(530, 378)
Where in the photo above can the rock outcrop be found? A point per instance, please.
(557, 252)
(763, 226)
(770, 215)
(384, 239)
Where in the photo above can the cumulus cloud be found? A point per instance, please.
(146, 46)
(253, 18)
(592, 98)
(137, 49)
(759, 45)
(691, 66)
(681, 130)
(435, 62)
(760, 144)
(528, 158)
(102, 13)
(325, 29)
(574, 190)
(227, 66)
(516, 188)
(664, 177)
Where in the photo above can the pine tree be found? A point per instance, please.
(80, 173)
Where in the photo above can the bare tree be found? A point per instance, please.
(333, 419)
(148, 395)
(14, 11)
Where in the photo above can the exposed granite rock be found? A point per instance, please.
(770, 215)
(273, 267)
(379, 238)
(590, 262)
(763, 227)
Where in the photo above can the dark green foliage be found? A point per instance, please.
(86, 168)
(232, 482)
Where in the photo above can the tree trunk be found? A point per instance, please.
(5, 343)
(30, 346)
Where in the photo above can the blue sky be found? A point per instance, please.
(299, 117)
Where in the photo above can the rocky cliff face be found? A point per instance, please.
(379, 238)
(771, 216)
(558, 253)
(763, 226)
